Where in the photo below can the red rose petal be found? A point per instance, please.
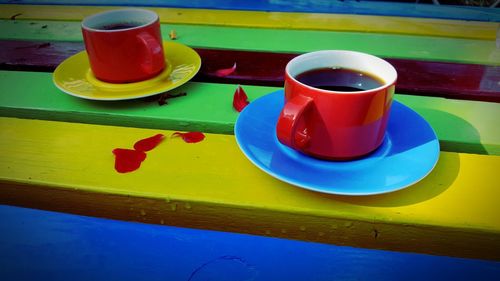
(240, 99)
(190, 137)
(225, 71)
(148, 143)
(128, 160)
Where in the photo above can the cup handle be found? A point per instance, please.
(292, 113)
(153, 51)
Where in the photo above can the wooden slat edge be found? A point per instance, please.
(69, 167)
(159, 251)
(212, 216)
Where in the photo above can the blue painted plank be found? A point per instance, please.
(314, 6)
(42, 245)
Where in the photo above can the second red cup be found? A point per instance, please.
(124, 45)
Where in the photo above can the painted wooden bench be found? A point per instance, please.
(56, 149)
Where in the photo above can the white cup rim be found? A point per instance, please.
(389, 72)
(89, 21)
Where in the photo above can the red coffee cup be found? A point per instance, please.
(124, 45)
(337, 104)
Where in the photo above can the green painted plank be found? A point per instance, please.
(462, 126)
(283, 40)
(206, 107)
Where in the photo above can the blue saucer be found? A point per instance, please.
(409, 152)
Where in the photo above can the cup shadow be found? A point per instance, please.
(437, 182)
(451, 131)
(445, 171)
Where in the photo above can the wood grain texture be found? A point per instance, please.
(36, 242)
(283, 40)
(69, 167)
(345, 7)
(449, 80)
(276, 20)
(462, 126)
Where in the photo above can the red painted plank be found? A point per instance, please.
(429, 78)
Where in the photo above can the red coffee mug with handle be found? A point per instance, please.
(345, 120)
(124, 45)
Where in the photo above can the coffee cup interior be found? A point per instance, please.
(117, 20)
(338, 59)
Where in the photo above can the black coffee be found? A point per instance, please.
(339, 79)
(117, 26)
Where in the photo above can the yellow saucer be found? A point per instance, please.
(74, 77)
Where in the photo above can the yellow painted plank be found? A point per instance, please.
(281, 20)
(212, 185)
